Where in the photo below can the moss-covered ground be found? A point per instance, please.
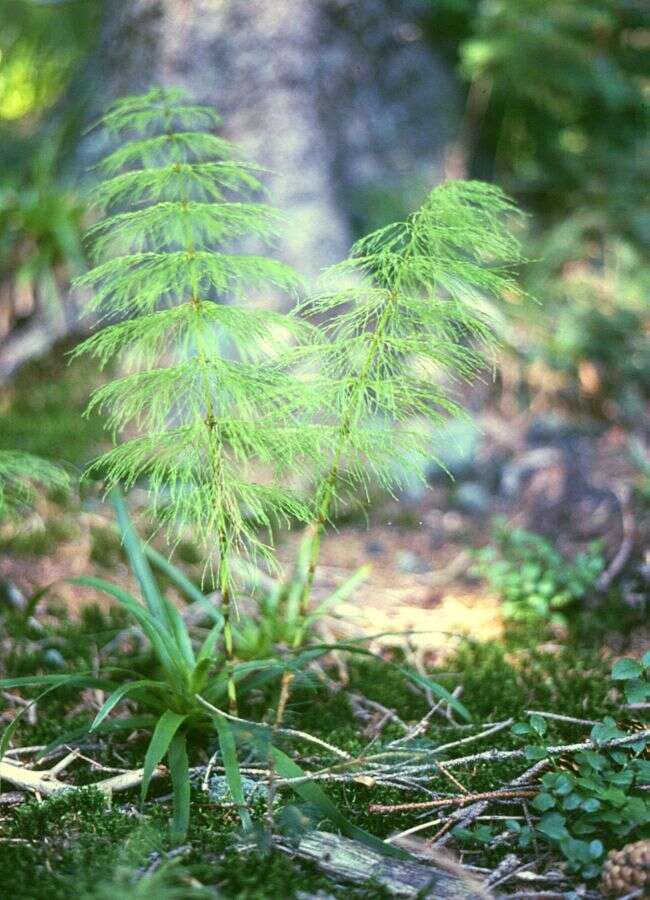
(75, 845)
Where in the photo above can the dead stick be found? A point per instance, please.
(43, 783)
(460, 800)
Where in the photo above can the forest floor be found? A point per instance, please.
(573, 479)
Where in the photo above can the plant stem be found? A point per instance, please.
(326, 492)
(216, 463)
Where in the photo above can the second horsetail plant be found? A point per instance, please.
(204, 394)
(406, 315)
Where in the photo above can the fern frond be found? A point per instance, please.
(169, 224)
(140, 282)
(195, 180)
(409, 312)
(180, 147)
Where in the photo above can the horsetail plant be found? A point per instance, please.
(407, 315)
(205, 394)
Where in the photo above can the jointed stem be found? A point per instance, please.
(327, 491)
(226, 609)
(216, 463)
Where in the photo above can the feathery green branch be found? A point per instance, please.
(205, 394)
(408, 315)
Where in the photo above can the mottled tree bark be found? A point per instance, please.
(333, 96)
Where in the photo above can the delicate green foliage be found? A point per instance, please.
(21, 476)
(532, 579)
(204, 389)
(191, 678)
(277, 623)
(183, 668)
(407, 313)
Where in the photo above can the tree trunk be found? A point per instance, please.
(343, 101)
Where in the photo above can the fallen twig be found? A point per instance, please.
(46, 784)
(459, 800)
(352, 861)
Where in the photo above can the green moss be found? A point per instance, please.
(43, 409)
(75, 846)
(105, 546)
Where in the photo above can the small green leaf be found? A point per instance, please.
(596, 849)
(543, 802)
(563, 785)
(315, 796)
(121, 692)
(166, 727)
(553, 825)
(571, 802)
(521, 728)
(637, 691)
(228, 749)
(534, 754)
(624, 669)
(539, 725)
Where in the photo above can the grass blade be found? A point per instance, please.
(175, 575)
(231, 765)
(342, 591)
(207, 648)
(179, 769)
(79, 680)
(137, 560)
(316, 797)
(163, 645)
(158, 605)
(121, 692)
(166, 727)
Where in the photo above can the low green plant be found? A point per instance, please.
(533, 580)
(594, 803)
(591, 334)
(180, 699)
(634, 677)
(222, 404)
(41, 228)
(277, 626)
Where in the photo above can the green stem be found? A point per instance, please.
(325, 497)
(326, 492)
(217, 473)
